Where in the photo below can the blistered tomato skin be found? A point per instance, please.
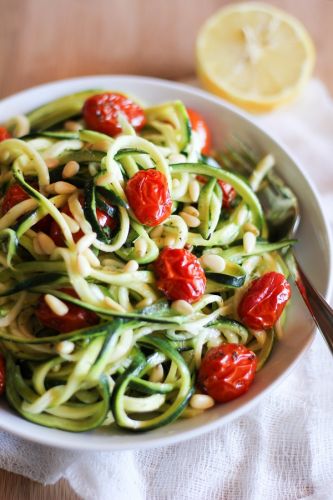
(227, 371)
(2, 375)
(179, 275)
(100, 112)
(76, 318)
(200, 126)
(264, 301)
(4, 134)
(149, 197)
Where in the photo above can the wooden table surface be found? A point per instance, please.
(44, 40)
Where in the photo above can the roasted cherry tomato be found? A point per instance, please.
(228, 192)
(149, 197)
(227, 371)
(100, 112)
(179, 275)
(200, 126)
(2, 375)
(263, 303)
(76, 318)
(14, 195)
(4, 134)
(103, 218)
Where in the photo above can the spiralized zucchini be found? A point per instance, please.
(137, 367)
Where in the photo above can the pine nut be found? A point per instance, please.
(36, 246)
(156, 374)
(252, 228)
(51, 162)
(112, 304)
(65, 347)
(201, 402)
(102, 146)
(156, 232)
(191, 210)
(131, 266)
(56, 305)
(83, 266)
(177, 158)
(46, 243)
(92, 169)
(175, 183)
(190, 220)
(182, 307)
(92, 258)
(140, 246)
(85, 242)
(194, 190)
(214, 262)
(72, 126)
(71, 223)
(249, 242)
(62, 187)
(70, 169)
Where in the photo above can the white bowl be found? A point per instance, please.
(224, 120)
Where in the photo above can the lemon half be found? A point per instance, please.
(254, 55)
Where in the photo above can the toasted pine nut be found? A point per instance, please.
(46, 243)
(56, 305)
(70, 169)
(113, 304)
(213, 262)
(252, 228)
(141, 246)
(182, 307)
(36, 246)
(156, 232)
(102, 146)
(175, 183)
(201, 402)
(177, 158)
(72, 224)
(191, 210)
(51, 162)
(72, 126)
(83, 266)
(92, 169)
(92, 258)
(65, 347)
(156, 374)
(131, 266)
(190, 220)
(85, 242)
(194, 190)
(249, 241)
(62, 187)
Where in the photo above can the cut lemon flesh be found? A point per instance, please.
(254, 55)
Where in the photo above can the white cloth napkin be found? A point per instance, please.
(281, 450)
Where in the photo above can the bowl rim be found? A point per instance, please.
(104, 444)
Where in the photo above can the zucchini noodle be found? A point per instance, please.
(135, 368)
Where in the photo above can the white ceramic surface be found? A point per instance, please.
(224, 121)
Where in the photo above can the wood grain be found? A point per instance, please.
(44, 40)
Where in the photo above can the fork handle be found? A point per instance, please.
(320, 310)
